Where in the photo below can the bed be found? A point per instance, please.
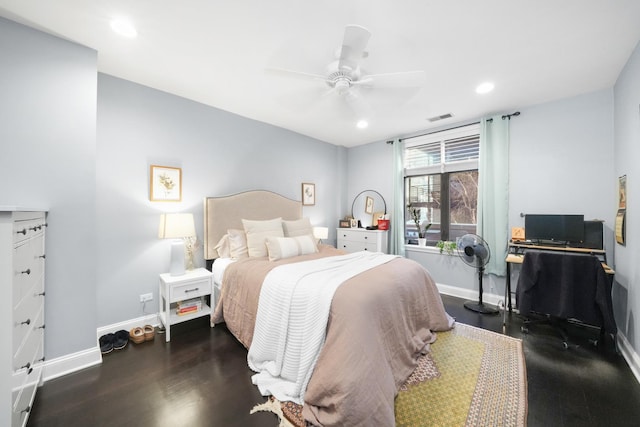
(379, 319)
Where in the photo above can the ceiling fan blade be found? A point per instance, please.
(296, 74)
(399, 79)
(358, 105)
(353, 45)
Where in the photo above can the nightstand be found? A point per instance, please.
(195, 283)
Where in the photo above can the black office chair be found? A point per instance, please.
(556, 286)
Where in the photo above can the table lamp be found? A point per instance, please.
(320, 233)
(176, 226)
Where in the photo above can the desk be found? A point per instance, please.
(515, 255)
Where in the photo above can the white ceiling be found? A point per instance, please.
(216, 52)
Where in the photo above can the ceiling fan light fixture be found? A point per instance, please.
(362, 124)
(485, 87)
(124, 28)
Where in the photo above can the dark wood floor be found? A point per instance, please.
(201, 378)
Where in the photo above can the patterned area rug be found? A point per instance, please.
(472, 377)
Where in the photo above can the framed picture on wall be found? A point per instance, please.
(165, 184)
(368, 205)
(308, 194)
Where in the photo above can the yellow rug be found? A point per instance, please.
(472, 377)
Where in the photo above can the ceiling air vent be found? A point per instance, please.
(442, 117)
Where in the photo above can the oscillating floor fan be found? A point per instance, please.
(475, 252)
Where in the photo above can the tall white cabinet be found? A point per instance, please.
(22, 261)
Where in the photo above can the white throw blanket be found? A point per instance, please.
(291, 322)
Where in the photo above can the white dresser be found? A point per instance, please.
(361, 239)
(22, 260)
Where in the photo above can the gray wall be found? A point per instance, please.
(561, 161)
(47, 159)
(219, 153)
(626, 155)
(80, 144)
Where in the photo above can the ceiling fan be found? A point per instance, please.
(344, 76)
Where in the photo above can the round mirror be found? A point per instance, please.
(367, 204)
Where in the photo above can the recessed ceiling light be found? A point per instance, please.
(124, 28)
(485, 87)
(362, 124)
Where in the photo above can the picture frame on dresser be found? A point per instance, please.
(344, 223)
(165, 184)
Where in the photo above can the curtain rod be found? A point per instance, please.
(505, 116)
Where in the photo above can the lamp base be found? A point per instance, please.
(176, 268)
(479, 307)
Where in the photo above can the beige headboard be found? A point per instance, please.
(223, 213)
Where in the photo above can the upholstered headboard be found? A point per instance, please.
(223, 213)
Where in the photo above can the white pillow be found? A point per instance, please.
(223, 248)
(299, 227)
(237, 244)
(257, 233)
(287, 247)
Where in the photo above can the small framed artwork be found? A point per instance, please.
(368, 205)
(308, 194)
(354, 223)
(344, 223)
(165, 184)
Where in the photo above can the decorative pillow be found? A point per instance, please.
(223, 248)
(257, 233)
(299, 227)
(287, 247)
(237, 244)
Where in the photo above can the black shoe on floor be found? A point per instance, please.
(106, 343)
(121, 338)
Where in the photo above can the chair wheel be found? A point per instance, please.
(524, 329)
(565, 345)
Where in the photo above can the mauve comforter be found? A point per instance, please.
(379, 323)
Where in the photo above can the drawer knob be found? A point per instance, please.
(43, 256)
(27, 271)
(192, 290)
(41, 327)
(26, 322)
(27, 366)
(27, 409)
(41, 359)
(23, 232)
(41, 294)
(34, 228)
(366, 237)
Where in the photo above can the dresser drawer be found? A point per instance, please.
(24, 229)
(26, 314)
(191, 289)
(23, 395)
(357, 246)
(356, 236)
(30, 349)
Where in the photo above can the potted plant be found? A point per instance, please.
(414, 212)
(447, 246)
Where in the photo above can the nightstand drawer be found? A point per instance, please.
(191, 290)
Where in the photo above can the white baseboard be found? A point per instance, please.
(73, 362)
(127, 325)
(470, 294)
(69, 363)
(632, 358)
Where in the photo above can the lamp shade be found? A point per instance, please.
(320, 232)
(176, 226)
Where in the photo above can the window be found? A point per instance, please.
(441, 179)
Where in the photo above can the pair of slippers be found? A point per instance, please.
(142, 334)
(113, 341)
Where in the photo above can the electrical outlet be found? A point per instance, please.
(146, 297)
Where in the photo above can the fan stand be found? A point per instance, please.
(479, 306)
